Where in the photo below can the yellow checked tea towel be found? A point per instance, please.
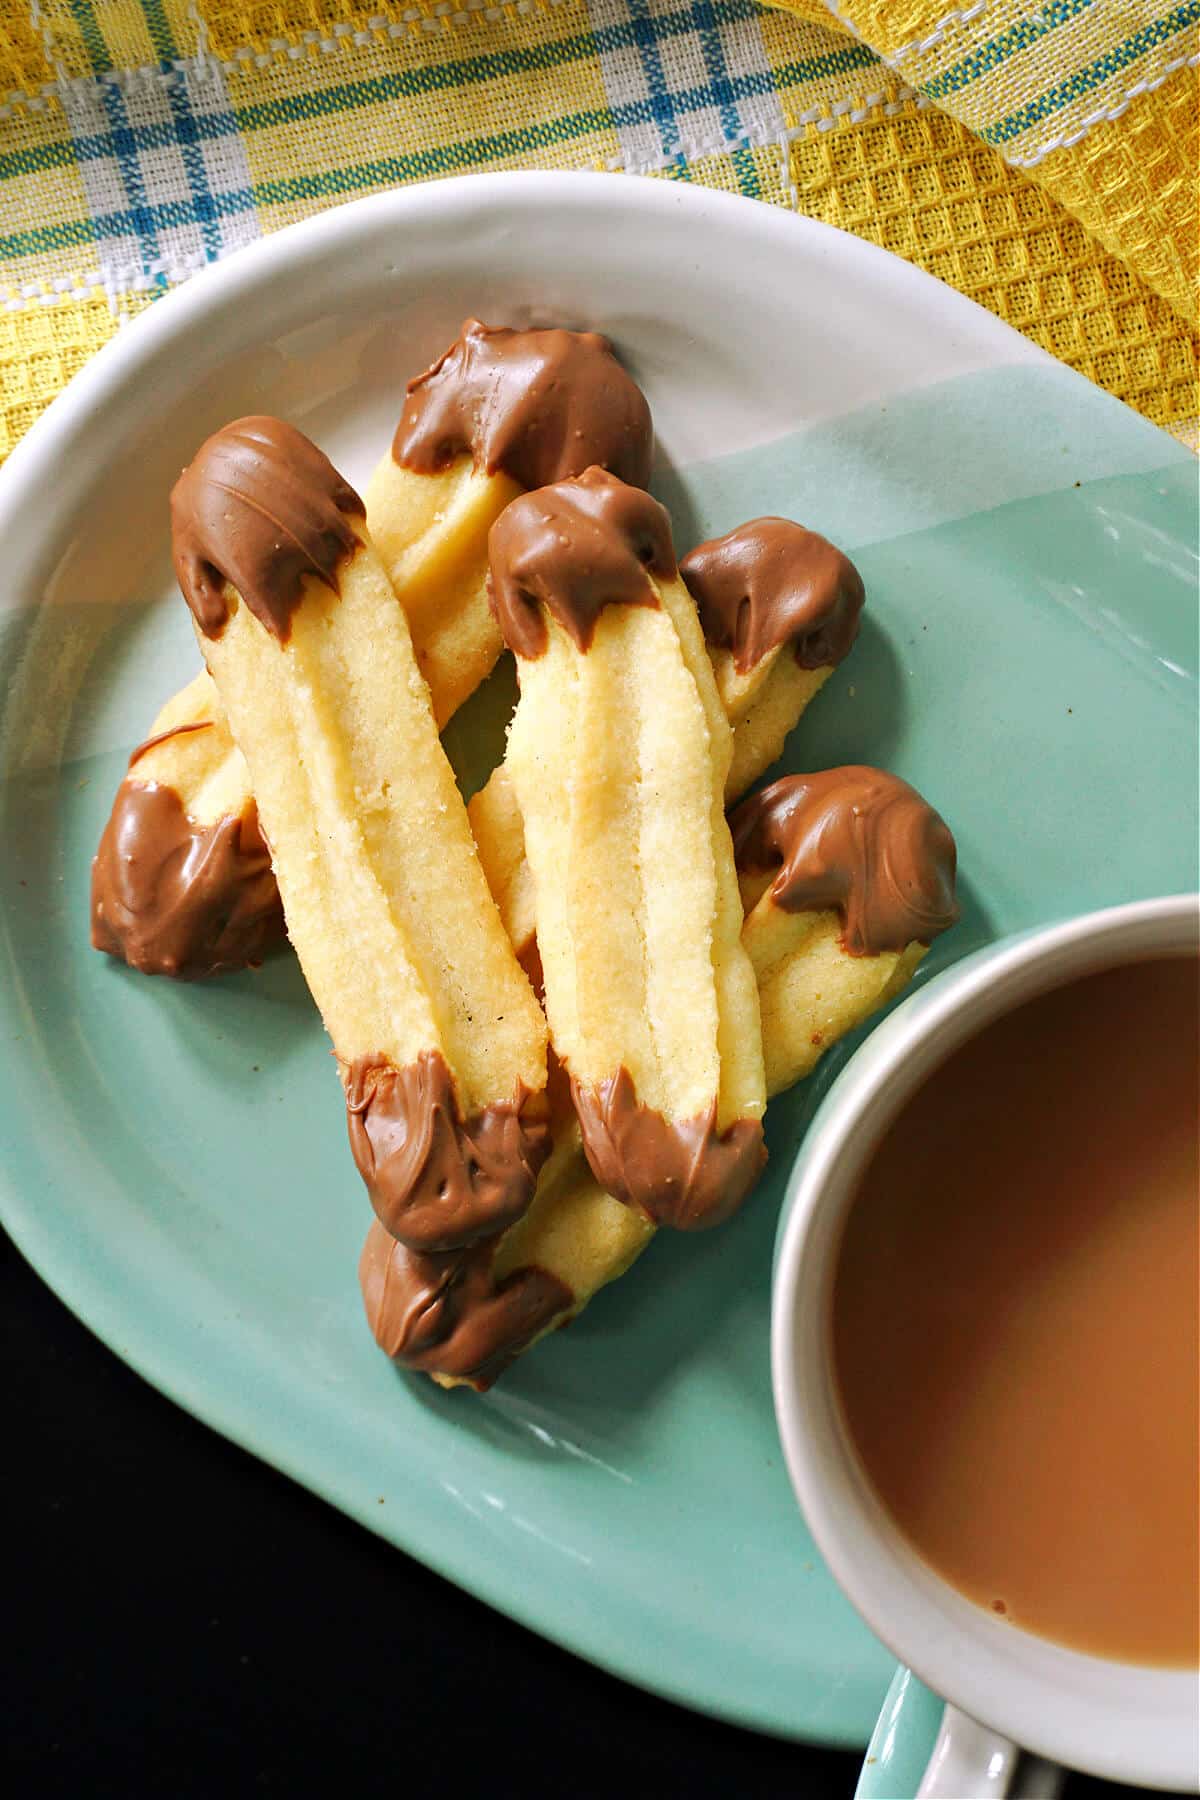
(1095, 101)
(1040, 158)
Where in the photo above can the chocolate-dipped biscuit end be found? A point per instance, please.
(436, 1180)
(540, 405)
(259, 507)
(857, 840)
(445, 1314)
(574, 549)
(682, 1173)
(771, 582)
(172, 897)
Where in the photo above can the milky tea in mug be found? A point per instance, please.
(1015, 1316)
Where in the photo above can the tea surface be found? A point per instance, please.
(1015, 1316)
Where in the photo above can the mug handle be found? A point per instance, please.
(922, 1749)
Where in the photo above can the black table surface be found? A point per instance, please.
(180, 1620)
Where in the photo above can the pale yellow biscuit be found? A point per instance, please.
(439, 1034)
(383, 893)
(810, 991)
(499, 833)
(618, 755)
(760, 730)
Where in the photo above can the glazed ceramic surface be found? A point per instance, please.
(174, 1158)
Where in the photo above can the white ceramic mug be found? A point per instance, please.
(1004, 1686)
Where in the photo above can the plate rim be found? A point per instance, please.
(218, 283)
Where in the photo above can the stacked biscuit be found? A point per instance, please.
(557, 1014)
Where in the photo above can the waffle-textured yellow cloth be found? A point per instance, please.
(1041, 158)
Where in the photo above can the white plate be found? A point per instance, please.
(176, 1161)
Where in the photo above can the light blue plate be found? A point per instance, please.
(174, 1157)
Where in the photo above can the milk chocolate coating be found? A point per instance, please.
(446, 1314)
(575, 548)
(858, 840)
(438, 1181)
(172, 897)
(683, 1173)
(540, 405)
(259, 507)
(771, 582)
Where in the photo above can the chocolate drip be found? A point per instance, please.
(445, 1314)
(437, 1181)
(683, 1173)
(172, 897)
(540, 405)
(575, 548)
(858, 840)
(771, 582)
(259, 507)
(163, 737)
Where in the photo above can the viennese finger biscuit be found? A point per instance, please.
(185, 889)
(441, 1042)
(618, 754)
(499, 411)
(874, 869)
(847, 878)
(780, 608)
